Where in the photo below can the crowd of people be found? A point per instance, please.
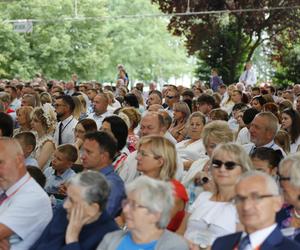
(85, 165)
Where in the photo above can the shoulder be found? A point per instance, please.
(172, 241)
(226, 242)
(111, 240)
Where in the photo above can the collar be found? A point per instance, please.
(269, 145)
(68, 119)
(64, 174)
(107, 170)
(17, 185)
(258, 237)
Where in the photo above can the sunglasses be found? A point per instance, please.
(283, 178)
(170, 97)
(229, 165)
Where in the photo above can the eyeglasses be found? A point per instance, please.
(283, 178)
(229, 165)
(254, 197)
(170, 97)
(132, 204)
(144, 154)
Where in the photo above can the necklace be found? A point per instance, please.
(296, 214)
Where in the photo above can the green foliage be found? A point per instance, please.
(91, 47)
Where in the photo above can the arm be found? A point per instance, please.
(46, 152)
(5, 232)
(181, 230)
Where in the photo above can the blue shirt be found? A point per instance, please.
(128, 244)
(54, 181)
(90, 236)
(30, 161)
(117, 191)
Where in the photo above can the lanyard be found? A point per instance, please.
(63, 128)
(18, 189)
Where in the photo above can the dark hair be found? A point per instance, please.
(131, 100)
(6, 124)
(67, 100)
(156, 92)
(249, 115)
(119, 129)
(88, 124)
(69, 151)
(260, 99)
(37, 175)
(106, 141)
(239, 106)
(27, 137)
(268, 154)
(208, 99)
(295, 127)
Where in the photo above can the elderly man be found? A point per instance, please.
(82, 222)
(153, 123)
(99, 149)
(262, 130)
(25, 208)
(257, 201)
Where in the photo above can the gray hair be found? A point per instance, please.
(95, 188)
(271, 184)
(293, 163)
(240, 155)
(155, 195)
(290, 162)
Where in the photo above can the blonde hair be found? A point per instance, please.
(162, 148)
(27, 111)
(133, 115)
(46, 115)
(45, 97)
(282, 139)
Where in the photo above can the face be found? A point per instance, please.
(147, 163)
(21, 117)
(106, 127)
(150, 125)
(92, 155)
(9, 164)
(100, 104)
(178, 115)
(260, 213)
(298, 104)
(222, 176)
(60, 107)
(75, 199)
(290, 193)
(204, 108)
(263, 165)
(286, 121)
(255, 93)
(239, 118)
(256, 105)
(36, 124)
(91, 94)
(211, 145)
(195, 128)
(153, 99)
(79, 131)
(236, 97)
(136, 215)
(60, 161)
(171, 98)
(259, 134)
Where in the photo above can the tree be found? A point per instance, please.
(248, 29)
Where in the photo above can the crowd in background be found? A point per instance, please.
(85, 165)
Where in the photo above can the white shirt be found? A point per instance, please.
(258, 237)
(68, 128)
(26, 211)
(243, 136)
(99, 118)
(249, 77)
(250, 146)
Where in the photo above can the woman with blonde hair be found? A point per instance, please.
(213, 214)
(23, 119)
(45, 97)
(44, 122)
(181, 113)
(156, 158)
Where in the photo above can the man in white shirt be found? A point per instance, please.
(257, 201)
(64, 132)
(25, 208)
(100, 103)
(262, 130)
(248, 77)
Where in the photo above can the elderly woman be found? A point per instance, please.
(213, 215)
(181, 113)
(289, 217)
(147, 211)
(191, 149)
(156, 158)
(82, 222)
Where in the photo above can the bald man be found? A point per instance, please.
(25, 208)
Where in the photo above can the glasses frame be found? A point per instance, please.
(229, 165)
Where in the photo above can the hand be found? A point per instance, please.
(4, 244)
(78, 219)
(78, 143)
(62, 189)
